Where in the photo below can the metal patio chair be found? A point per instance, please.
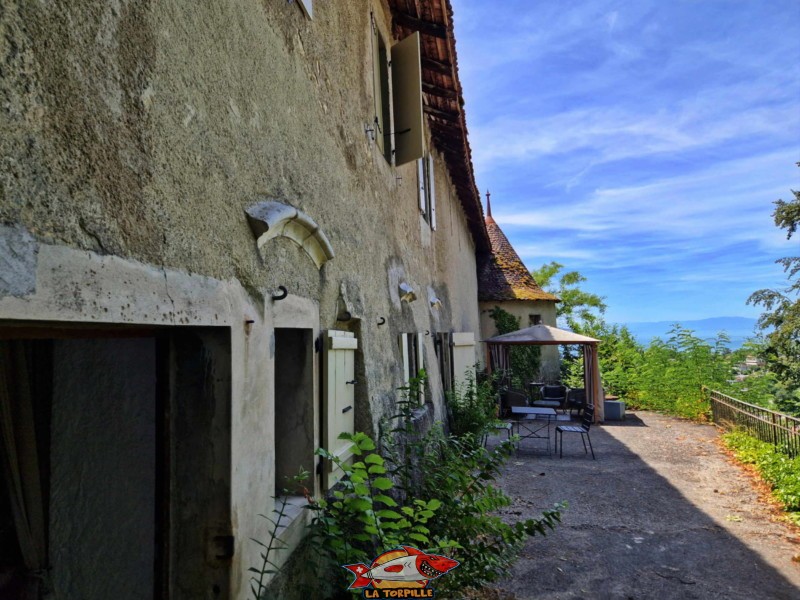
(583, 429)
(576, 400)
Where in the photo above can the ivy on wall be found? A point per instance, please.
(525, 361)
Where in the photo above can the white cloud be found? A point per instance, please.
(635, 143)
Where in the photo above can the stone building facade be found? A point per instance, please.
(228, 231)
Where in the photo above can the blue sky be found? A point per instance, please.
(640, 143)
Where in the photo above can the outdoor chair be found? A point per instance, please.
(583, 429)
(576, 400)
(552, 396)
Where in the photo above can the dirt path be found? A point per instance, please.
(661, 513)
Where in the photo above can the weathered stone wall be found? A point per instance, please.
(145, 129)
(134, 136)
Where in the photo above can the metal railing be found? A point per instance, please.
(783, 431)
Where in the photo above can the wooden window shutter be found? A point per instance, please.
(407, 100)
(463, 356)
(339, 349)
(431, 191)
(420, 363)
(422, 188)
(404, 348)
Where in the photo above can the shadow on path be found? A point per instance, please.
(659, 514)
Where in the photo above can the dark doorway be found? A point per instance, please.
(126, 470)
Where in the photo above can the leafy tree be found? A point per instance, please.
(578, 308)
(619, 354)
(782, 315)
(672, 372)
(576, 304)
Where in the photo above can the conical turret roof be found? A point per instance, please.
(502, 275)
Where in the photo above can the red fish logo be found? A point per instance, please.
(405, 567)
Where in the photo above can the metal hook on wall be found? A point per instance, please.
(282, 295)
(381, 320)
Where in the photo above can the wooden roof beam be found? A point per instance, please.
(437, 66)
(445, 115)
(435, 90)
(427, 27)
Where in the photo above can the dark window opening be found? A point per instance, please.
(294, 405)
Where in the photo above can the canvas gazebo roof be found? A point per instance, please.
(544, 335)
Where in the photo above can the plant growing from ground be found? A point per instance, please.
(459, 471)
(361, 519)
(462, 472)
(672, 373)
(472, 406)
(268, 568)
(434, 491)
(780, 471)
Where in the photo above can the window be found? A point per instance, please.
(411, 352)
(426, 189)
(402, 100)
(534, 320)
(380, 89)
(444, 353)
(294, 405)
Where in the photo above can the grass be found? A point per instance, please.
(777, 469)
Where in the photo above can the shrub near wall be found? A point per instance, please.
(777, 469)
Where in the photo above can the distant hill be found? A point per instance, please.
(737, 328)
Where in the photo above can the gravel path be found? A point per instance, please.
(662, 513)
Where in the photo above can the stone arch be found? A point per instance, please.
(269, 219)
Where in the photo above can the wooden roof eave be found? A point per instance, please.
(443, 100)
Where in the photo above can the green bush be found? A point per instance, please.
(461, 473)
(780, 471)
(435, 491)
(472, 407)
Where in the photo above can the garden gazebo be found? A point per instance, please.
(497, 349)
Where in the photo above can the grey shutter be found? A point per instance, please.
(407, 100)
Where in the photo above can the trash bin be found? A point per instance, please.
(615, 410)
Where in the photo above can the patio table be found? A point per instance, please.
(535, 420)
